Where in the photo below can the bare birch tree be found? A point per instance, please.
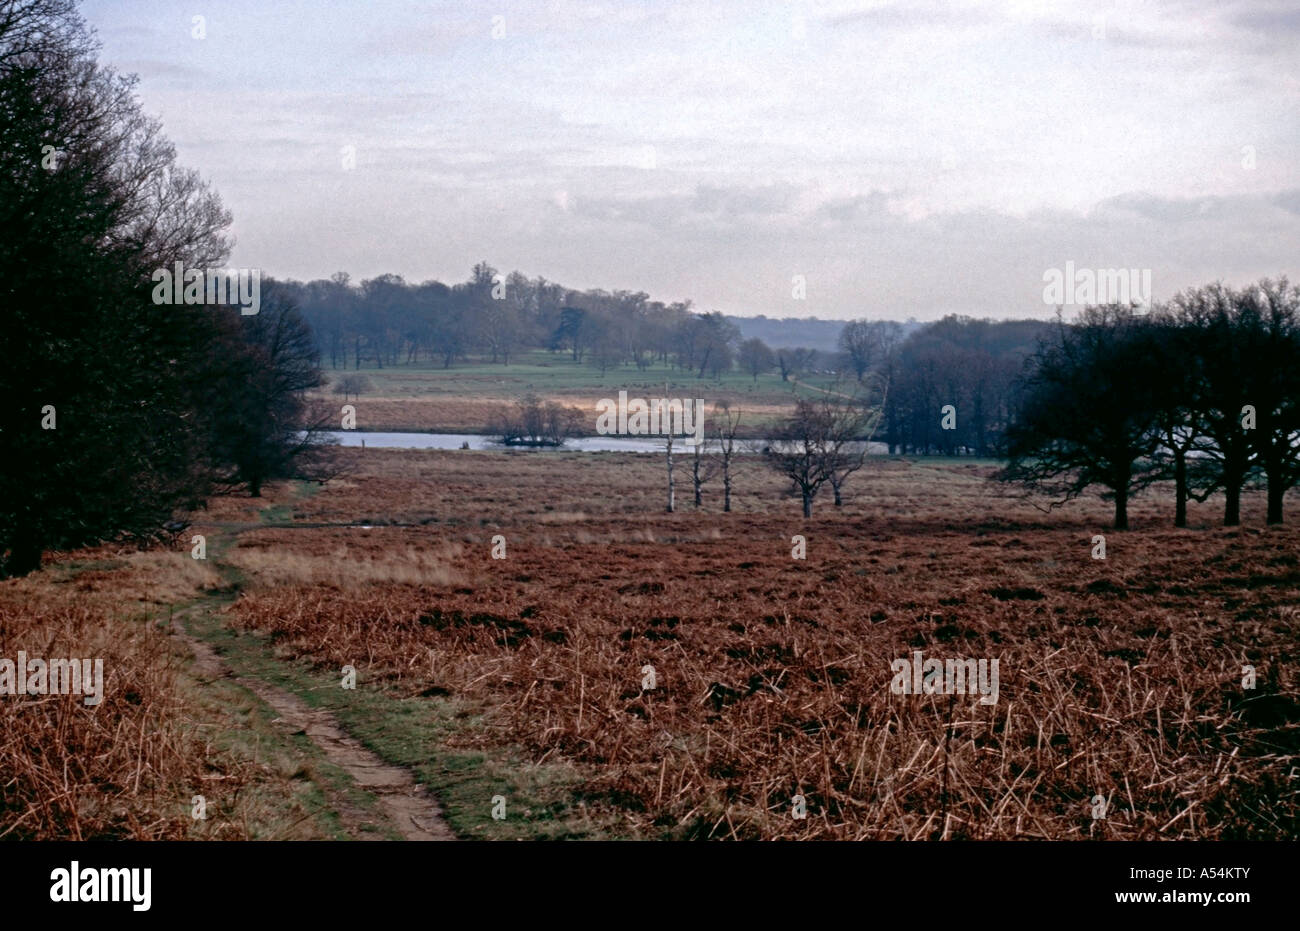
(671, 487)
(728, 424)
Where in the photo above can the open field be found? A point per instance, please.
(523, 677)
(463, 399)
(1119, 678)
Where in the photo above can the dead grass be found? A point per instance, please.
(123, 768)
(270, 562)
(130, 766)
(1119, 678)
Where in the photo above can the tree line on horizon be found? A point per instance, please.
(992, 375)
(386, 321)
(492, 318)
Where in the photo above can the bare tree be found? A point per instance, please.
(1277, 390)
(262, 424)
(668, 447)
(352, 385)
(850, 425)
(1087, 414)
(756, 358)
(703, 469)
(860, 342)
(728, 424)
(795, 362)
(796, 451)
(824, 441)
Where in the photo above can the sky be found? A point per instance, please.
(899, 159)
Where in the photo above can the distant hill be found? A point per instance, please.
(808, 332)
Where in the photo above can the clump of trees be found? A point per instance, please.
(970, 364)
(718, 455)
(796, 361)
(260, 424)
(1203, 391)
(1084, 420)
(531, 421)
(117, 412)
(352, 386)
(756, 358)
(823, 442)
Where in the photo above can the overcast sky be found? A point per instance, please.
(907, 159)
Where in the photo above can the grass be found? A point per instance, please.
(523, 677)
(131, 766)
(347, 565)
(290, 797)
(1119, 678)
(419, 733)
(463, 399)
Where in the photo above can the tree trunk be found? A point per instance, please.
(697, 482)
(807, 504)
(726, 489)
(1121, 508)
(1232, 505)
(1276, 491)
(24, 553)
(1180, 488)
(671, 488)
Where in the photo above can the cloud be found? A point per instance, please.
(911, 15)
(908, 158)
(740, 202)
(1289, 200)
(1165, 209)
(849, 210)
(1269, 20)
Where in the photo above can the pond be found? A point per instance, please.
(585, 444)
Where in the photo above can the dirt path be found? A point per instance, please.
(804, 384)
(413, 811)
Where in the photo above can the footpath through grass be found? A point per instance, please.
(419, 733)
